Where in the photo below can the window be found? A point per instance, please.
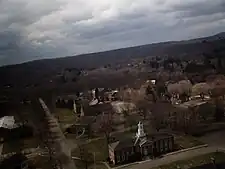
(170, 144)
(132, 150)
(123, 156)
(118, 158)
(127, 155)
(166, 144)
(158, 142)
(145, 151)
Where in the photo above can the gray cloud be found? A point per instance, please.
(31, 29)
(200, 8)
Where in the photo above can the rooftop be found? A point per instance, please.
(192, 103)
(97, 109)
(67, 97)
(86, 120)
(8, 122)
(128, 142)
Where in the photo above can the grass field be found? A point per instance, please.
(186, 141)
(40, 162)
(196, 161)
(99, 147)
(18, 145)
(65, 117)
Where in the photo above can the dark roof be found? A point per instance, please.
(122, 144)
(192, 103)
(158, 136)
(72, 96)
(162, 107)
(97, 109)
(86, 120)
(13, 161)
(17, 133)
(129, 142)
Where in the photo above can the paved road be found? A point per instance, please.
(169, 159)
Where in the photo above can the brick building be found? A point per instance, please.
(149, 146)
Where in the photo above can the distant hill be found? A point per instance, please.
(37, 71)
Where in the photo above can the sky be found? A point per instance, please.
(37, 29)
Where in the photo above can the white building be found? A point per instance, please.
(8, 122)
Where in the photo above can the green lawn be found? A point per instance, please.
(18, 145)
(125, 135)
(40, 162)
(196, 161)
(65, 116)
(99, 147)
(185, 141)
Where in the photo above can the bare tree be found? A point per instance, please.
(183, 86)
(160, 114)
(201, 89)
(106, 127)
(217, 95)
(183, 119)
(144, 108)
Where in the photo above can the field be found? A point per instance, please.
(40, 162)
(196, 161)
(65, 117)
(186, 141)
(99, 147)
(18, 145)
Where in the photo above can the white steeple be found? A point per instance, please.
(140, 135)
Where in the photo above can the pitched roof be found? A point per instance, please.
(192, 103)
(129, 142)
(122, 144)
(86, 120)
(114, 145)
(97, 109)
(158, 136)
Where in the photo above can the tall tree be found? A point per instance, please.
(106, 128)
(144, 107)
(219, 112)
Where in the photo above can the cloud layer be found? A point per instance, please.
(31, 29)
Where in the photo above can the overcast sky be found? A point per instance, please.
(36, 29)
